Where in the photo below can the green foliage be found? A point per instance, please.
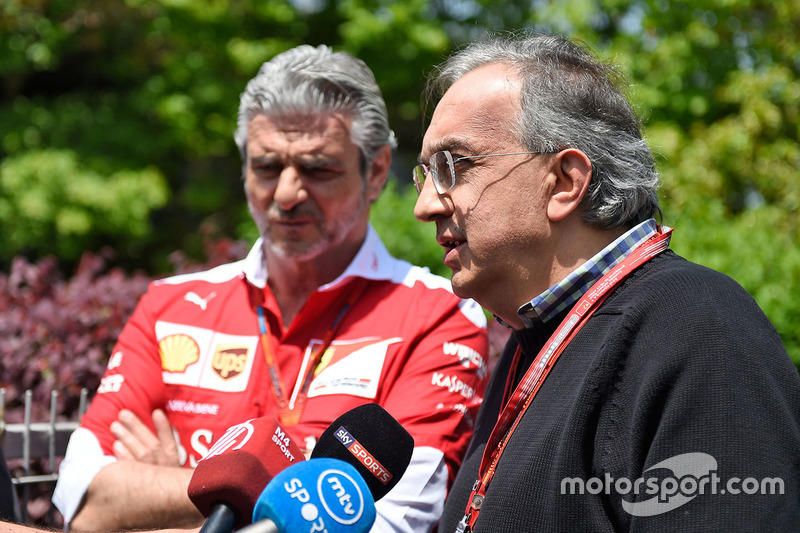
(404, 236)
(51, 204)
(723, 97)
(117, 117)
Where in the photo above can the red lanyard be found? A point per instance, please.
(288, 413)
(515, 406)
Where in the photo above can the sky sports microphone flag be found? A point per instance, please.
(229, 479)
(370, 439)
(320, 494)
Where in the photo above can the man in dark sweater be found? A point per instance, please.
(639, 391)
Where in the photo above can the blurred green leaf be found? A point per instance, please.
(116, 117)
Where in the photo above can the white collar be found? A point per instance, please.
(372, 262)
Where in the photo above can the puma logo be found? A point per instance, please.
(194, 298)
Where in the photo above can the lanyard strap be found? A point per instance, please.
(529, 386)
(289, 413)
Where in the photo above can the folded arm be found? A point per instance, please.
(127, 494)
(145, 487)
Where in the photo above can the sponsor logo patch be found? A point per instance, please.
(214, 361)
(178, 352)
(195, 408)
(452, 384)
(466, 356)
(112, 383)
(195, 298)
(115, 360)
(350, 367)
(229, 361)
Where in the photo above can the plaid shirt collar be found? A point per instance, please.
(569, 290)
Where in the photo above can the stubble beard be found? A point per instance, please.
(332, 233)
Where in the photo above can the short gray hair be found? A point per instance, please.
(570, 99)
(308, 80)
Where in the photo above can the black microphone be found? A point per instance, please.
(370, 439)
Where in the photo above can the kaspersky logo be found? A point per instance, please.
(671, 484)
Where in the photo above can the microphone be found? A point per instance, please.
(320, 494)
(227, 482)
(371, 440)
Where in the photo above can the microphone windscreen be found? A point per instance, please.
(240, 464)
(317, 495)
(370, 439)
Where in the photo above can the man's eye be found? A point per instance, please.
(322, 173)
(463, 163)
(267, 170)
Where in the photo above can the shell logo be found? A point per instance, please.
(178, 352)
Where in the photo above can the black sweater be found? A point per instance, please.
(679, 360)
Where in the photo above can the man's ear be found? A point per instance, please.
(379, 170)
(573, 172)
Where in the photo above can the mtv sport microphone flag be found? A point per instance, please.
(370, 439)
(239, 465)
(317, 495)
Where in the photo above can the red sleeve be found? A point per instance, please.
(439, 388)
(132, 379)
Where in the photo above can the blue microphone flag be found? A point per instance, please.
(317, 495)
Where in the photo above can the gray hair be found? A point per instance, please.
(308, 80)
(570, 99)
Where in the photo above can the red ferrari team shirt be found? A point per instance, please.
(193, 348)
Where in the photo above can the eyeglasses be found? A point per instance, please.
(441, 167)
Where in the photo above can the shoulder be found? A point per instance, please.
(197, 288)
(219, 274)
(670, 285)
(675, 316)
(426, 290)
(677, 322)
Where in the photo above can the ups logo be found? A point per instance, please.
(229, 361)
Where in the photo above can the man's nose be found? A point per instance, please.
(430, 204)
(290, 189)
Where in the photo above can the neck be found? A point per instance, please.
(292, 281)
(574, 243)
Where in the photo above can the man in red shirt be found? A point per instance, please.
(317, 320)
